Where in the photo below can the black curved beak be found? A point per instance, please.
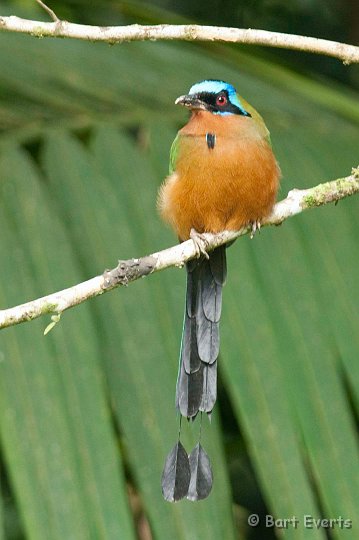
(191, 102)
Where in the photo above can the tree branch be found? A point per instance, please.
(190, 32)
(49, 11)
(127, 271)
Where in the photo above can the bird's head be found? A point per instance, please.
(216, 97)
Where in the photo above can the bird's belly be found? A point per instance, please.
(218, 189)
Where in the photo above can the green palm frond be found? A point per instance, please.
(85, 136)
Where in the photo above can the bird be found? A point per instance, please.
(223, 176)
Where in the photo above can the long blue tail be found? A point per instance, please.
(197, 378)
(191, 475)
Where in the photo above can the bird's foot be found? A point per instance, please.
(200, 243)
(255, 226)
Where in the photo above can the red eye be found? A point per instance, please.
(221, 100)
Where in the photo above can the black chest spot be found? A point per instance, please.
(210, 140)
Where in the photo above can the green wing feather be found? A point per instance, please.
(258, 120)
(174, 154)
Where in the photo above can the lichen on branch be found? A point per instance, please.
(348, 54)
(130, 270)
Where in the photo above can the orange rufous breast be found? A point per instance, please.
(221, 188)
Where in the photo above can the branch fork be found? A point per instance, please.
(348, 54)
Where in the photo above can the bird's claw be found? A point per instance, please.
(200, 243)
(255, 226)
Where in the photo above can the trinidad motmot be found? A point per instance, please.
(223, 176)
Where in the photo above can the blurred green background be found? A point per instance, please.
(87, 413)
